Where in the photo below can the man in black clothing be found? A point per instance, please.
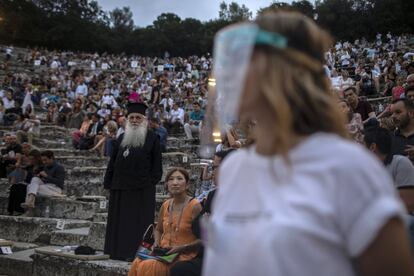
(47, 183)
(9, 155)
(357, 105)
(403, 138)
(133, 171)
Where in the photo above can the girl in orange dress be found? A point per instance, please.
(173, 230)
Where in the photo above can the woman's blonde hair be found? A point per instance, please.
(294, 84)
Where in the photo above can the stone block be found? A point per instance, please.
(75, 236)
(35, 229)
(58, 266)
(96, 237)
(65, 208)
(82, 161)
(21, 246)
(18, 263)
(100, 217)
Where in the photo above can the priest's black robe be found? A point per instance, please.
(130, 177)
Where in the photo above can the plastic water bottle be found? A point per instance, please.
(47, 212)
(380, 108)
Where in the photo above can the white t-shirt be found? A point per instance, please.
(309, 218)
(402, 171)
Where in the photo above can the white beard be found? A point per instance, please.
(134, 136)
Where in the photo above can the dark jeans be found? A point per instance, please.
(16, 197)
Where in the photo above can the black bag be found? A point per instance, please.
(84, 250)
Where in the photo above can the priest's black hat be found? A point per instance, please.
(136, 108)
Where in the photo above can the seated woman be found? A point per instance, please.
(229, 139)
(77, 134)
(103, 143)
(173, 230)
(18, 189)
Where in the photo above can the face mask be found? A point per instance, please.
(233, 49)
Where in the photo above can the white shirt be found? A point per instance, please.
(177, 115)
(307, 218)
(8, 103)
(81, 90)
(109, 100)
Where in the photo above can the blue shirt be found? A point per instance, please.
(197, 116)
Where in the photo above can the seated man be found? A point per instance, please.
(378, 140)
(9, 155)
(194, 124)
(47, 183)
(176, 119)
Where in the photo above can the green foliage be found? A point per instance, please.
(233, 12)
(83, 25)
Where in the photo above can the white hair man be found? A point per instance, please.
(133, 171)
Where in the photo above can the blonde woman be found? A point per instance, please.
(173, 232)
(302, 200)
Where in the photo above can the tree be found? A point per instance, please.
(275, 6)
(233, 12)
(121, 19)
(303, 6)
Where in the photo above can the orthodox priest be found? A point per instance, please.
(133, 171)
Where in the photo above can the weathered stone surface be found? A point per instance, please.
(100, 217)
(34, 229)
(4, 187)
(82, 187)
(75, 236)
(3, 205)
(66, 208)
(56, 143)
(82, 161)
(58, 266)
(96, 237)
(21, 246)
(18, 263)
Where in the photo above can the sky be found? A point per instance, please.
(146, 11)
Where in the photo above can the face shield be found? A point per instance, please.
(233, 49)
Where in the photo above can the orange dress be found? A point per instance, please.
(172, 236)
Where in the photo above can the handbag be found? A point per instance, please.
(145, 252)
(147, 240)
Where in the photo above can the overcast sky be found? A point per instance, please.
(146, 11)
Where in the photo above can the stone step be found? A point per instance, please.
(28, 262)
(21, 246)
(18, 263)
(61, 208)
(66, 208)
(35, 229)
(76, 236)
(58, 143)
(53, 266)
(82, 161)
